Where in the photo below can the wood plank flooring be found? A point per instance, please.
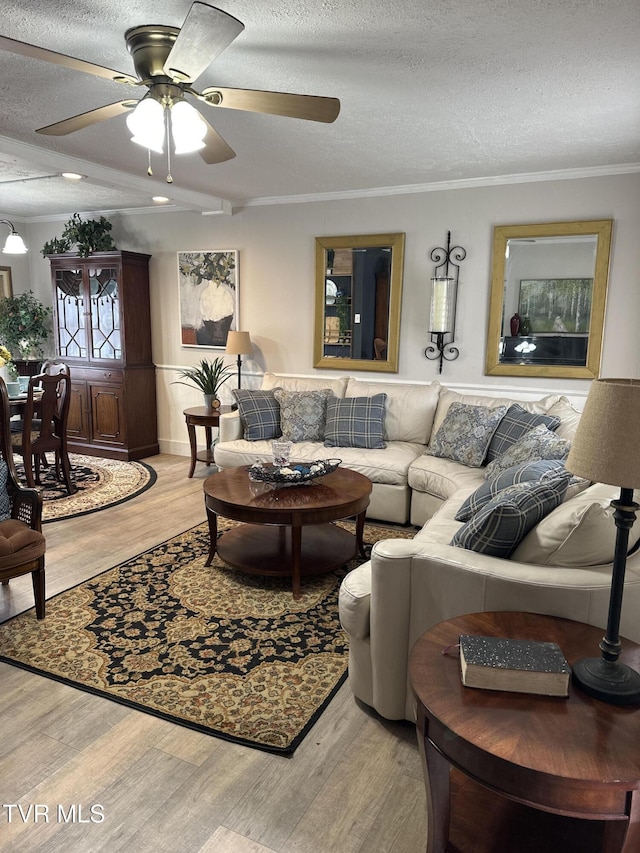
(137, 783)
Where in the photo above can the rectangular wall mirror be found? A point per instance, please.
(548, 297)
(358, 300)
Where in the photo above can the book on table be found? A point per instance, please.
(519, 666)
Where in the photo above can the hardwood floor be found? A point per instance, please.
(139, 783)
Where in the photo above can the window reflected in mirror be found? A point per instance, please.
(548, 298)
(358, 297)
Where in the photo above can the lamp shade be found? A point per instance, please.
(14, 245)
(238, 343)
(146, 123)
(606, 446)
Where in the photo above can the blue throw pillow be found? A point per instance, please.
(356, 422)
(498, 528)
(536, 443)
(259, 414)
(465, 433)
(538, 470)
(5, 503)
(513, 426)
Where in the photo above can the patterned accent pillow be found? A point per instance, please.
(5, 503)
(465, 433)
(356, 422)
(513, 426)
(259, 413)
(498, 528)
(541, 469)
(303, 414)
(537, 443)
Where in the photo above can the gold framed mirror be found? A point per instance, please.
(358, 300)
(548, 296)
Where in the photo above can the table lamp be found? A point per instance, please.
(239, 343)
(606, 449)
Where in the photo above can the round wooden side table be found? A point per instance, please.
(576, 757)
(207, 418)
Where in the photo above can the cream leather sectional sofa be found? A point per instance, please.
(561, 568)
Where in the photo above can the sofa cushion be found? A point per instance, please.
(537, 443)
(466, 432)
(356, 422)
(569, 418)
(447, 397)
(513, 426)
(5, 503)
(442, 477)
(303, 414)
(501, 524)
(580, 532)
(409, 409)
(259, 412)
(271, 381)
(541, 469)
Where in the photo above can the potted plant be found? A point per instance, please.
(24, 324)
(208, 376)
(89, 235)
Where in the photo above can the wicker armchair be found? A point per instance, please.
(22, 543)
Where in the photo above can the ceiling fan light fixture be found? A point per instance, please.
(146, 124)
(187, 128)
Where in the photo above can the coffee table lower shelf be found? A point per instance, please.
(267, 550)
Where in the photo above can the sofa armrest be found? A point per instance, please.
(230, 427)
(415, 584)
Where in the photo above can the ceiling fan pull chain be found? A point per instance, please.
(149, 169)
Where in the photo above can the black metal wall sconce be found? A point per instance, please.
(444, 294)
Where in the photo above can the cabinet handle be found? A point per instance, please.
(107, 376)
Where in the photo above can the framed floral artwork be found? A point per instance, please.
(208, 287)
(6, 288)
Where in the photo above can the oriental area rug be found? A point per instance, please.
(225, 653)
(100, 482)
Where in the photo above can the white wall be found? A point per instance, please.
(276, 273)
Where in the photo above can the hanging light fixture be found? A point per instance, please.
(14, 244)
(149, 125)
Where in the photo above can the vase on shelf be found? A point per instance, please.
(525, 326)
(515, 324)
(211, 402)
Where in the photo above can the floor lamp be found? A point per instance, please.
(606, 450)
(239, 343)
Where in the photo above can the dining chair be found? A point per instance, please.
(22, 543)
(49, 394)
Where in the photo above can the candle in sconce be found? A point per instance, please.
(440, 306)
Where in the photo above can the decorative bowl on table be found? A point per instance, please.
(292, 474)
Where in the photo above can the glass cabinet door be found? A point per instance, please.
(71, 312)
(105, 314)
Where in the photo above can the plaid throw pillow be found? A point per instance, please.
(259, 414)
(356, 422)
(498, 528)
(513, 426)
(536, 443)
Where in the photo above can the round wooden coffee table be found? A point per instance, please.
(573, 757)
(287, 530)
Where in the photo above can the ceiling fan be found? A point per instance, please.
(167, 60)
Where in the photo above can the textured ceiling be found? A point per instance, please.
(431, 91)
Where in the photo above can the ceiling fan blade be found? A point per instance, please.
(216, 149)
(33, 52)
(69, 125)
(310, 107)
(206, 32)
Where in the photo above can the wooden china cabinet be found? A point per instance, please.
(102, 328)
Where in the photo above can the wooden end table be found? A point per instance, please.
(286, 531)
(575, 757)
(207, 418)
